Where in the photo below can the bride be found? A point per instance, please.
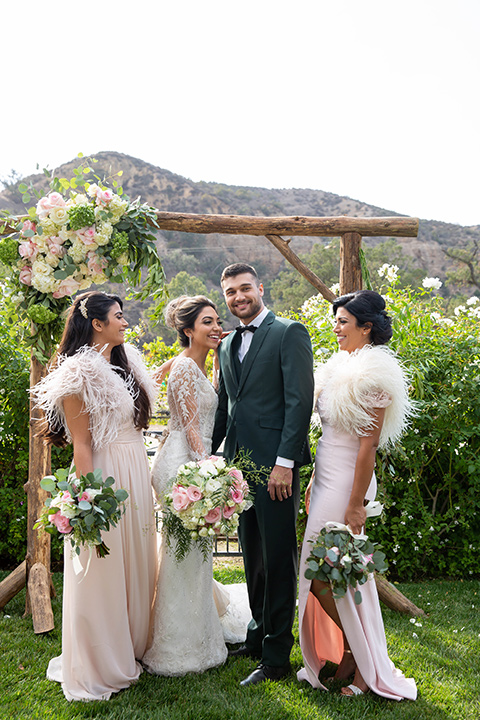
(192, 614)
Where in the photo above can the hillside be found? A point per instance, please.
(207, 254)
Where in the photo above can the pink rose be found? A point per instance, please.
(29, 225)
(236, 495)
(55, 246)
(104, 196)
(228, 511)
(213, 515)
(56, 200)
(337, 553)
(194, 493)
(87, 235)
(28, 249)
(236, 473)
(26, 275)
(68, 286)
(96, 264)
(180, 498)
(43, 207)
(212, 458)
(61, 522)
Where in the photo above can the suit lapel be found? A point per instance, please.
(228, 368)
(257, 342)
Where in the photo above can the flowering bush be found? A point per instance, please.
(206, 499)
(341, 559)
(82, 508)
(429, 483)
(67, 243)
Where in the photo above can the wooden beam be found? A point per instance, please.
(296, 225)
(39, 591)
(350, 267)
(12, 584)
(283, 246)
(394, 599)
(38, 543)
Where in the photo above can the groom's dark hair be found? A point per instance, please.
(238, 269)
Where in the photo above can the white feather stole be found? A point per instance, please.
(108, 399)
(353, 384)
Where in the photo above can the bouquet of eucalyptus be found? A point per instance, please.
(343, 559)
(206, 500)
(81, 508)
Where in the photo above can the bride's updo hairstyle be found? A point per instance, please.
(181, 313)
(78, 332)
(368, 306)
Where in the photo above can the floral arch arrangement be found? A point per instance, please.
(80, 233)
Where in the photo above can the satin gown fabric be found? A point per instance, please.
(320, 638)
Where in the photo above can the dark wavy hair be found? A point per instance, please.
(181, 313)
(239, 269)
(78, 332)
(368, 306)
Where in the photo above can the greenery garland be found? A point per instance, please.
(80, 233)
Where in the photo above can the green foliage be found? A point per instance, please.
(14, 436)
(429, 482)
(290, 290)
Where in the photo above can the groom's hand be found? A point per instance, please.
(280, 483)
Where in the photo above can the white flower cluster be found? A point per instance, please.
(432, 283)
(58, 261)
(389, 272)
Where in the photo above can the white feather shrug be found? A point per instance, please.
(353, 384)
(108, 399)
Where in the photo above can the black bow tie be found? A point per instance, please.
(241, 328)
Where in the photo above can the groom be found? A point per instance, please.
(265, 403)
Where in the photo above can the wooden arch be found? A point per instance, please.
(36, 567)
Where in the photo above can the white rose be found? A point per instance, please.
(207, 468)
(212, 485)
(203, 532)
(59, 215)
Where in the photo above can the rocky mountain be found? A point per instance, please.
(207, 254)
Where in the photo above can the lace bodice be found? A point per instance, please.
(192, 402)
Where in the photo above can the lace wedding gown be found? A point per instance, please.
(187, 631)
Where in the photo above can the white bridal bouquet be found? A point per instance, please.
(206, 499)
(81, 508)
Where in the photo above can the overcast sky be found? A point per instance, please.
(374, 99)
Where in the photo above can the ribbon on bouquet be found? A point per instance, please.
(77, 565)
(373, 509)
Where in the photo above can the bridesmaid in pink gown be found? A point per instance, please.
(98, 397)
(363, 404)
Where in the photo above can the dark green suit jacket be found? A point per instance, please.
(267, 409)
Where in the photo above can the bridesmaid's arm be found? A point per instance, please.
(78, 424)
(355, 514)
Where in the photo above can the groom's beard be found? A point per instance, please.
(250, 312)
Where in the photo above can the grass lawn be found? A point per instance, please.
(442, 654)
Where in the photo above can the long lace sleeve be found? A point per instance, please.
(184, 406)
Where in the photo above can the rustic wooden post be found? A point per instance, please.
(40, 586)
(350, 267)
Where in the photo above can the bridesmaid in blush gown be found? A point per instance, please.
(363, 404)
(98, 396)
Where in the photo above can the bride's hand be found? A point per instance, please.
(163, 371)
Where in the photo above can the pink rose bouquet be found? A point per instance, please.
(81, 508)
(205, 500)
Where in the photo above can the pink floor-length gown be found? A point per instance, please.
(320, 638)
(106, 611)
